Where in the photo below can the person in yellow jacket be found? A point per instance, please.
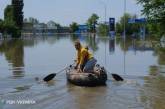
(85, 61)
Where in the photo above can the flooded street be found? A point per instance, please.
(140, 62)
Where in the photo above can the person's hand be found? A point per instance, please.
(75, 67)
(79, 70)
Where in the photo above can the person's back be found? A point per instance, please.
(86, 55)
(85, 59)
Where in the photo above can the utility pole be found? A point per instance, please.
(124, 19)
(105, 11)
(124, 34)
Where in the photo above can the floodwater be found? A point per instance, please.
(140, 62)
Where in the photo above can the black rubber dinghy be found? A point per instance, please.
(97, 78)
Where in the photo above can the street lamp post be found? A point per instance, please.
(124, 34)
(105, 18)
(124, 19)
(105, 6)
(105, 11)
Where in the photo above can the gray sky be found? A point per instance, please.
(67, 11)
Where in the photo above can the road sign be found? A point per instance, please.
(141, 20)
(112, 24)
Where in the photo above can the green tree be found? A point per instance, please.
(92, 21)
(9, 24)
(119, 28)
(1, 20)
(18, 12)
(1, 25)
(130, 28)
(8, 13)
(154, 10)
(74, 27)
(10, 28)
(32, 20)
(103, 29)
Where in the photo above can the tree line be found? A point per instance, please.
(13, 19)
(92, 24)
(153, 10)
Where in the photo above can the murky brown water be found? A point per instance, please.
(141, 63)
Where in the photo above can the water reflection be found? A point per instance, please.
(135, 45)
(153, 91)
(159, 51)
(39, 56)
(88, 98)
(90, 40)
(13, 50)
(111, 45)
(23, 88)
(14, 53)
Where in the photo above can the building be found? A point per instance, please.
(52, 25)
(82, 29)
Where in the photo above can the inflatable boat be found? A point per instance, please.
(97, 78)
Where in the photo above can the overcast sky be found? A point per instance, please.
(67, 11)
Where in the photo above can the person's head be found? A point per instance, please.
(77, 44)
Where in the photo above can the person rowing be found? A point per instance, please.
(85, 61)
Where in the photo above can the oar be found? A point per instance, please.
(115, 76)
(52, 75)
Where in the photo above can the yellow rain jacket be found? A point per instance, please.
(83, 55)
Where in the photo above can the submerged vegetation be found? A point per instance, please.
(154, 10)
(73, 27)
(92, 21)
(130, 28)
(103, 29)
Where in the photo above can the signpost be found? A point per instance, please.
(112, 27)
(141, 20)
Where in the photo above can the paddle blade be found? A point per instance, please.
(49, 77)
(117, 77)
